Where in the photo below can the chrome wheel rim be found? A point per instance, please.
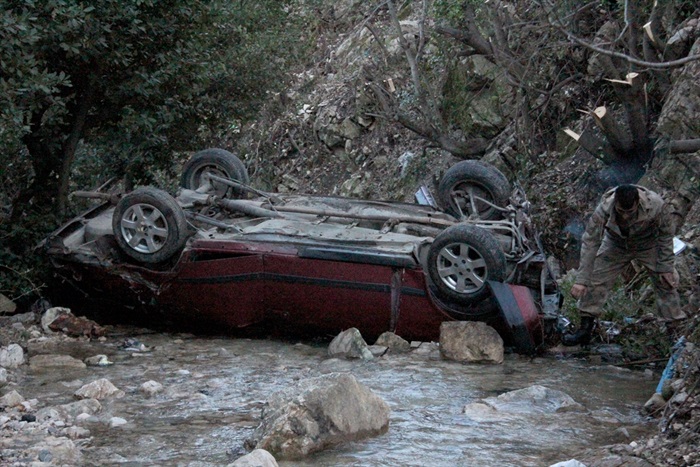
(462, 268)
(144, 228)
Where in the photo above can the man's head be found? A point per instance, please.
(626, 201)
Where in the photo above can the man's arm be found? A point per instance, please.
(590, 243)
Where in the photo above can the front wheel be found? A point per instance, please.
(149, 225)
(462, 259)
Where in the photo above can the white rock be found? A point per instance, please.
(117, 421)
(256, 458)
(50, 316)
(11, 356)
(98, 360)
(533, 399)
(569, 463)
(349, 344)
(99, 389)
(3, 377)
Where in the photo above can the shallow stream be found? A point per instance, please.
(214, 389)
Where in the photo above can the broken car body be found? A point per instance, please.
(226, 254)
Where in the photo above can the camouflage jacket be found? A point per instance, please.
(651, 229)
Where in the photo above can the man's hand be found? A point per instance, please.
(670, 278)
(578, 290)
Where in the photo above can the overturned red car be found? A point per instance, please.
(226, 254)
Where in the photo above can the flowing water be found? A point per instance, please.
(214, 389)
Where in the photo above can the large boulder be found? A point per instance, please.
(393, 342)
(52, 362)
(349, 344)
(467, 341)
(318, 413)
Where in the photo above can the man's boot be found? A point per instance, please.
(583, 335)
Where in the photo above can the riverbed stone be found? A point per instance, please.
(151, 388)
(3, 377)
(569, 463)
(395, 343)
(57, 451)
(71, 410)
(317, 413)
(256, 458)
(50, 316)
(117, 421)
(533, 399)
(349, 344)
(98, 360)
(470, 342)
(6, 305)
(99, 389)
(11, 399)
(11, 356)
(51, 362)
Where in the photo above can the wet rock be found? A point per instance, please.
(98, 360)
(466, 341)
(11, 399)
(6, 305)
(11, 356)
(72, 410)
(116, 421)
(99, 389)
(58, 451)
(569, 463)
(378, 350)
(393, 342)
(317, 413)
(151, 388)
(48, 362)
(257, 458)
(349, 344)
(534, 399)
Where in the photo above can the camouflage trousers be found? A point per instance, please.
(609, 265)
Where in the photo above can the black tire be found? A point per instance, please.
(461, 260)
(218, 162)
(476, 178)
(149, 225)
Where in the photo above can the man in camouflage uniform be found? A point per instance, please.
(630, 223)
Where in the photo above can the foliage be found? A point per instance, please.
(90, 90)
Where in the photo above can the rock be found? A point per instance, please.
(3, 377)
(467, 341)
(257, 458)
(11, 399)
(61, 319)
(116, 421)
(73, 410)
(11, 356)
(151, 388)
(393, 342)
(318, 413)
(569, 463)
(47, 362)
(76, 432)
(6, 305)
(98, 360)
(349, 344)
(50, 315)
(377, 350)
(57, 451)
(534, 399)
(98, 389)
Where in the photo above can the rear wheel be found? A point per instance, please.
(467, 181)
(149, 225)
(217, 162)
(462, 259)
